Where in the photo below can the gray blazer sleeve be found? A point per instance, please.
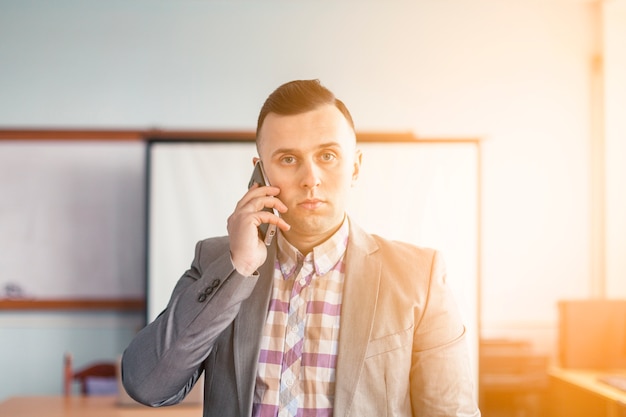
(164, 360)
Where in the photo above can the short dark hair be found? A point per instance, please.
(300, 96)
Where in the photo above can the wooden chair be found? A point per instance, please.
(106, 370)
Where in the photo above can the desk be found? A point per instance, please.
(576, 392)
(77, 406)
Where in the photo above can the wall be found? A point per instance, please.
(614, 36)
(516, 73)
(33, 345)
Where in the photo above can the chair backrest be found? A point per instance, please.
(100, 376)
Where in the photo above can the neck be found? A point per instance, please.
(306, 242)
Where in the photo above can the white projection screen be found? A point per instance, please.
(423, 192)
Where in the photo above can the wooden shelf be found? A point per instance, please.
(91, 304)
(122, 135)
(52, 134)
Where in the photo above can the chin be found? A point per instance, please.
(313, 225)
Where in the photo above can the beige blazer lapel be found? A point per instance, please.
(248, 328)
(360, 294)
(363, 270)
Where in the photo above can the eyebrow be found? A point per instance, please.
(294, 150)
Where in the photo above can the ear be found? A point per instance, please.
(357, 166)
(254, 160)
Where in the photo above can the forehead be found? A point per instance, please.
(304, 131)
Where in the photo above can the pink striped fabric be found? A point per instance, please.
(296, 373)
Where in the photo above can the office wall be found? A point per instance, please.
(516, 73)
(33, 345)
(614, 36)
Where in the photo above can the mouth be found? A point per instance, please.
(311, 204)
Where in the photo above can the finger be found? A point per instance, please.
(269, 203)
(257, 192)
(270, 218)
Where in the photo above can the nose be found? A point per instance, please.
(310, 175)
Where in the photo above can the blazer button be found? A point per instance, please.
(208, 290)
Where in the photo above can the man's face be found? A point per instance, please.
(312, 158)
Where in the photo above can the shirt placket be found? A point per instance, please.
(290, 388)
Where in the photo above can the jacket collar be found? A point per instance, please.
(248, 328)
(360, 296)
(361, 285)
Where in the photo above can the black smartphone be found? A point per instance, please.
(267, 231)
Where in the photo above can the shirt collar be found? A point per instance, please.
(324, 256)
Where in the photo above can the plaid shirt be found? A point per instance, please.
(300, 353)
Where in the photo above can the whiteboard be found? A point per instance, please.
(424, 193)
(72, 218)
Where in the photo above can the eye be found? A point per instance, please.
(288, 160)
(328, 156)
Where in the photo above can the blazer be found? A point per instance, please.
(402, 348)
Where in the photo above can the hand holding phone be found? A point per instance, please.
(267, 231)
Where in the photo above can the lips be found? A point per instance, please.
(311, 204)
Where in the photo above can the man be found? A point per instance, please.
(327, 320)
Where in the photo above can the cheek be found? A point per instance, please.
(286, 188)
(340, 187)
